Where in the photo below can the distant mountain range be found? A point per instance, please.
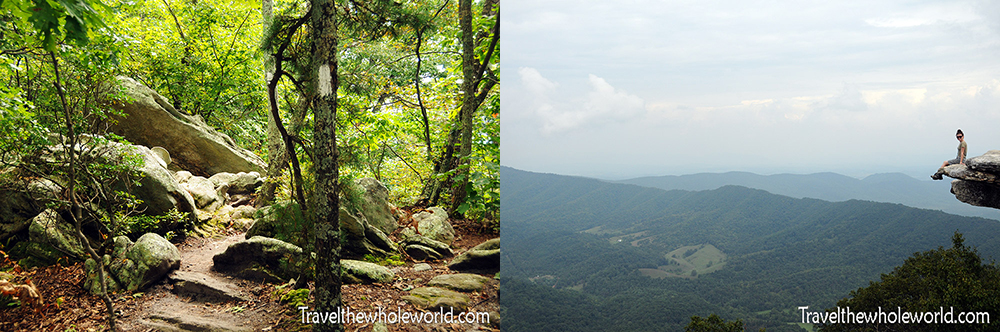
(582, 254)
(885, 187)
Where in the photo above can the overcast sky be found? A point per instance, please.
(620, 89)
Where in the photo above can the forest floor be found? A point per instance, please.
(68, 307)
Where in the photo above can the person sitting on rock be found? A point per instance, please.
(963, 148)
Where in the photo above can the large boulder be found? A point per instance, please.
(135, 266)
(261, 258)
(51, 237)
(158, 189)
(484, 257)
(376, 207)
(204, 193)
(18, 207)
(433, 223)
(362, 237)
(194, 146)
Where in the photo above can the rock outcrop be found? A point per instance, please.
(194, 146)
(977, 182)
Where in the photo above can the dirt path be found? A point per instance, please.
(168, 307)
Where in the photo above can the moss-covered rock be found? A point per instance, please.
(483, 257)
(134, 266)
(462, 282)
(432, 298)
(434, 224)
(261, 258)
(358, 272)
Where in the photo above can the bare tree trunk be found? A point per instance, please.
(75, 209)
(327, 227)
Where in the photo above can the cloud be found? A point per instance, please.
(603, 103)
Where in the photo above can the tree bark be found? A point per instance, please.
(326, 235)
(469, 85)
(276, 158)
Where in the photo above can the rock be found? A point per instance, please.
(978, 182)
(163, 155)
(419, 267)
(162, 320)
(219, 179)
(245, 183)
(135, 266)
(243, 211)
(462, 282)
(420, 247)
(988, 162)
(52, 237)
(194, 146)
(182, 176)
(422, 253)
(494, 319)
(205, 287)
(285, 217)
(203, 192)
(18, 207)
(483, 257)
(240, 183)
(158, 189)
(375, 206)
(379, 327)
(435, 225)
(261, 258)
(432, 298)
(358, 272)
(362, 237)
(976, 193)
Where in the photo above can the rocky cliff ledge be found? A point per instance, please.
(977, 182)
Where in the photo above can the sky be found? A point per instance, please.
(622, 89)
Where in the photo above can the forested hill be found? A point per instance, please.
(884, 187)
(739, 252)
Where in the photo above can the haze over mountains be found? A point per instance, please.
(884, 187)
(589, 255)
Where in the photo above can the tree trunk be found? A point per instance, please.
(277, 160)
(326, 234)
(75, 208)
(469, 84)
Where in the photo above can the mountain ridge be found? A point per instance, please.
(880, 187)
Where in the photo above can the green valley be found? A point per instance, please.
(587, 255)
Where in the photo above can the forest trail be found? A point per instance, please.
(170, 307)
(160, 308)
